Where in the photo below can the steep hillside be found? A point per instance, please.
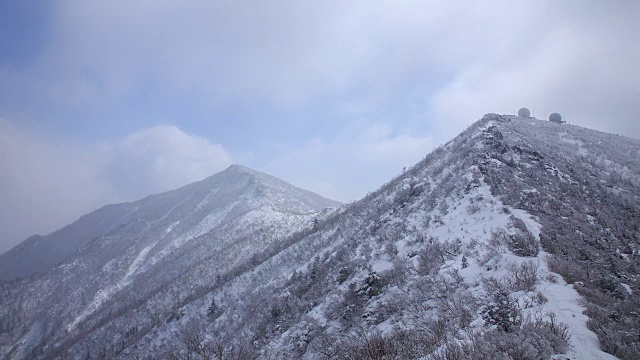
(443, 262)
(492, 247)
(168, 247)
(584, 187)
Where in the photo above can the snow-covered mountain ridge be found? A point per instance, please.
(491, 247)
(161, 243)
(40, 253)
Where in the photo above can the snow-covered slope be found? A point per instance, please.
(518, 239)
(40, 253)
(149, 250)
(445, 261)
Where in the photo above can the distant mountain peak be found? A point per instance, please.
(241, 170)
(237, 168)
(233, 192)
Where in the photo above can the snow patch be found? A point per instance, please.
(564, 301)
(171, 227)
(104, 294)
(381, 265)
(29, 340)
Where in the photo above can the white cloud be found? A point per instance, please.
(576, 71)
(161, 158)
(574, 57)
(45, 185)
(360, 159)
(42, 186)
(283, 51)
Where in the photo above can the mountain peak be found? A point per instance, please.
(198, 207)
(237, 168)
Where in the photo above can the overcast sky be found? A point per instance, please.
(109, 101)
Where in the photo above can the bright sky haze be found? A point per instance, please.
(110, 101)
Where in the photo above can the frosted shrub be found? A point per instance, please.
(534, 339)
(376, 346)
(524, 244)
(398, 274)
(502, 312)
(373, 346)
(343, 274)
(473, 208)
(195, 346)
(430, 258)
(391, 249)
(569, 270)
(328, 347)
(372, 285)
(498, 241)
(460, 308)
(522, 277)
(465, 262)
(539, 298)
